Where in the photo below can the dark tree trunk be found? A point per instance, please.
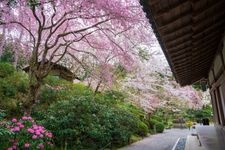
(97, 87)
(34, 88)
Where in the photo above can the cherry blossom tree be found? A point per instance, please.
(152, 86)
(48, 31)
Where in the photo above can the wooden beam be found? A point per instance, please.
(178, 33)
(183, 4)
(194, 55)
(197, 27)
(210, 29)
(185, 64)
(180, 23)
(210, 7)
(180, 47)
(191, 75)
(179, 44)
(202, 58)
(194, 71)
(207, 38)
(204, 49)
(173, 15)
(179, 52)
(178, 41)
(183, 77)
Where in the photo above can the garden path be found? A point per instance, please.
(163, 141)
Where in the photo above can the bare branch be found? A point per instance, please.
(76, 31)
(77, 60)
(35, 16)
(43, 16)
(89, 53)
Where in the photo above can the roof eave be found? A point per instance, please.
(161, 43)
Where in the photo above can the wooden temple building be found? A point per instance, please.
(192, 36)
(58, 70)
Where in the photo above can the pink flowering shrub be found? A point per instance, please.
(28, 134)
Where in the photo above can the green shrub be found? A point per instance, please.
(13, 89)
(7, 89)
(157, 118)
(114, 95)
(83, 122)
(152, 123)
(6, 69)
(5, 134)
(135, 138)
(169, 125)
(7, 55)
(48, 95)
(159, 127)
(56, 89)
(142, 129)
(20, 81)
(156, 126)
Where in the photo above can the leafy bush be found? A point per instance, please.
(77, 117)
(20, 81)
(7, 55)
(169, 124)
(49, 95)
(159, 127)
(56, 89)
(198, 114)
(13, 84)
(83, 122)
(7, 89)
(114, 95)
(156, 125)
(6, 69)
(5, 134)
(142, 129)
(13, 88)
(152, 123)
(157, 118)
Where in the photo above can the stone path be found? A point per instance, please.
(164, 141)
